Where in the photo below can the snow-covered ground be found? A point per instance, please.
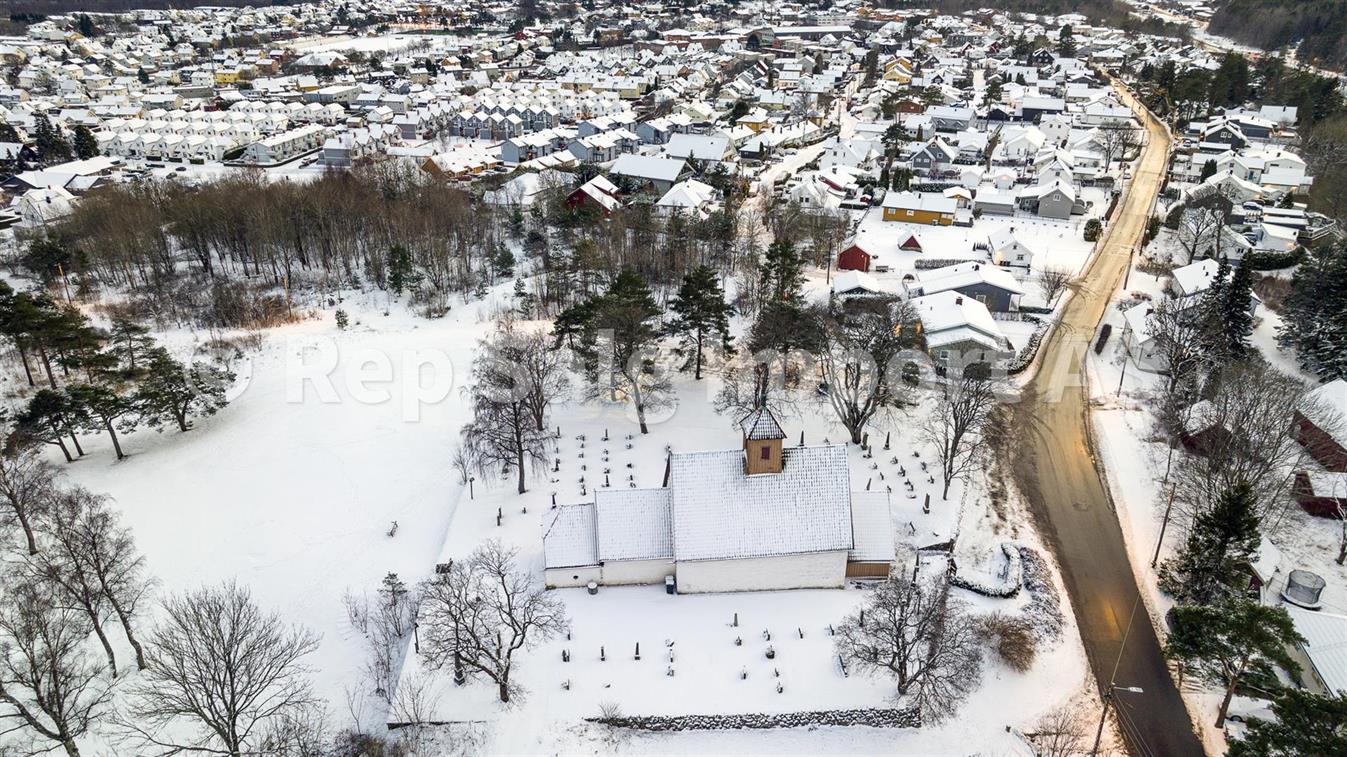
(294, 493)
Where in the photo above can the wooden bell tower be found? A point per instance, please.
(762, 442)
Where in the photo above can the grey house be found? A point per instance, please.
(935, 155)
(993, 286)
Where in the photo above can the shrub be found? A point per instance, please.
(1092, 229)
(343, 320)
(1011, 637)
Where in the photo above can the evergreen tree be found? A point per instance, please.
(1066, 42)
(174, 392)
(503, 261)
(129, 343)
(1237, 312)
(106, 407)
(85, 144)
(1303, 723)
(782, 273)
(524, 300)
(51, 144)
(399, 268)
(142, 75)
(1220, 542)
(1208, 170)
(1224, 643)
(86, 25)
(1314, 313)
(50, 416)
(700, 311)
(626, 317)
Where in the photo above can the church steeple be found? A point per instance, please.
(762, 442)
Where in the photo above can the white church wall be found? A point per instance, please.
(620, 572)
(818, 570)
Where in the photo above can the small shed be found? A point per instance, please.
(854, 258)
(911, 243)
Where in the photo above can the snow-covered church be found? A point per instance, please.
(758, 518)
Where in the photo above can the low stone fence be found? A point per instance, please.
(875, 718)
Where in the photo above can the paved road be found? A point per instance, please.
(1055, 467)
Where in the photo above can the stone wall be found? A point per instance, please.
(875, 718)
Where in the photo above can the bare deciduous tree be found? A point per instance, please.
(224, 677)
(1061, 732)
(1246, 437)
(862, 344)
(49, 687)
(504, 433)
(92, 560)
(1200, 230)
(485, 609)
(1051, 282)
(26, 482)
(1117, 142)
(956, 424)
(385, 624)
(913, 629)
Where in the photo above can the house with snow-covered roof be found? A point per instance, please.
(959, 330)
(991, 285)
(762, 517)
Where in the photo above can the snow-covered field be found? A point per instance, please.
(293, 490)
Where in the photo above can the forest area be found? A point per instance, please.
(1318, 26)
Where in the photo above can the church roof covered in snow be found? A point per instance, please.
(634, 524)
(721, 513)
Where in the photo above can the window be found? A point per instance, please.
(766, 452)
(911, 212)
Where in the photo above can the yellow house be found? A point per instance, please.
(929, 208)
(226, 76)
(898, 70)
(755, 121)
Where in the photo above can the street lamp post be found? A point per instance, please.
(1103, 716)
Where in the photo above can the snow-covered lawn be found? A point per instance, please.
(294, 494)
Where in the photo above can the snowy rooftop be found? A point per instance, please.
(633, 524)
(568, 537)
(1326, 645)
(871, 527)
(761, 424)
(720, 513)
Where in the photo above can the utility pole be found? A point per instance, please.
(1164, 524)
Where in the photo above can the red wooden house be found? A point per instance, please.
(854, 258)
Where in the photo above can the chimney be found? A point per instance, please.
(958, 300)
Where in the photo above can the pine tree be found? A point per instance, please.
(1208, 170)
(1221, 541)
(173, 392)
(700, 311)
(503, 261)
(1237, 312)
(399, 268)
(1066, 42)
(106, 407)
(130, 343)
(85, 144)
(1314, 313)
(51, 144)
(1224, 643)
(86, 25)
(782, 273)
(524, 300)
(1303, 723)
(50, 416)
